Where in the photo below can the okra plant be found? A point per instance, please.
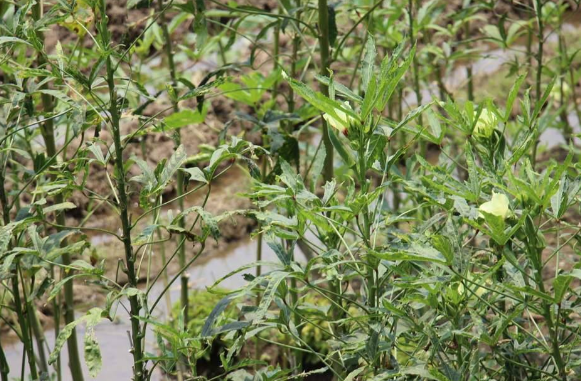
(412, 168)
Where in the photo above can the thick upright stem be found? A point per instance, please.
(135, 307)
(324, 50)
(47, 131)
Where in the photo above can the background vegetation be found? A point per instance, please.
(407, 170)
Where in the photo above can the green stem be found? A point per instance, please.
(358, 63)
(469, 75)
(135, 306)
(539, 95)
(298, 355)
(47, 131)
(260, 235)
(72, 343)
(258, 259)
(530, 47)
(541, 41)
(4, 198)
(294, 59)
(69, 313)
(338, 313)
(567, 130)
(553, 330)
(184, 279)
(324, 50)
(366, 233)
(4, 368)
(536, 255)
(572, 84)
(400, 141)
(276, 57)
(328, 166)
(36, 329)
(57, 326)
(416, 71)
(25, 329)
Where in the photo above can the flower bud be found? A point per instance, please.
(486, 124)
(343, 120)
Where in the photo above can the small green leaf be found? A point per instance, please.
(560, 286)
(58, 207)
(63, 336)
(274, 279)
(56, 289)
(368, 61)
(416, 252)
(6, 39)
(92, 353)
(207, 329)
(196, 174)
(341, 89)
(171, 167)
(146, 235)
(184, 118)
(512, 96)
(320, 101)
(96, 150)
(345, 154)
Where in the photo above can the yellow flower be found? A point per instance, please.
(497, 206)
(486, 124)
(343, 122)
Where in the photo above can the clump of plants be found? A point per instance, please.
(423, 219)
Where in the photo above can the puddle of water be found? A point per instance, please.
(113, 336)
(489, 63)
(553, 137)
